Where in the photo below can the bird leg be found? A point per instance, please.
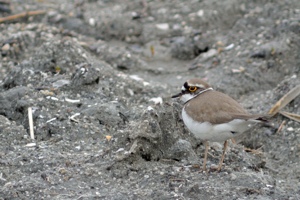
(223, 156)
(205, 155)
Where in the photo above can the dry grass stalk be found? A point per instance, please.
(21, 15)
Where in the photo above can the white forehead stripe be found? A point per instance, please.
(186, 97)
(199, 85)
(205, 90)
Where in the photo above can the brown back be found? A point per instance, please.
(216, 108)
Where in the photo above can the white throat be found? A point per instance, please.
(186, 97)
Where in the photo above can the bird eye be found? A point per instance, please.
(192, 89)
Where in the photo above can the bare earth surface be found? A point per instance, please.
(95, 72)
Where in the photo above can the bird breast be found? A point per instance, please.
(215, 132)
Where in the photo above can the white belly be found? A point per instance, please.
(217, 132)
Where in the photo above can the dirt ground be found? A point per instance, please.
(99, 75)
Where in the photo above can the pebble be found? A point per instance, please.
(78, 147)
(5, 47)
(30, 144)
(163, 26)
(231, 46)
(211, 53)
(233, 177)
(290, 129)
(156, 100)
(200, 13)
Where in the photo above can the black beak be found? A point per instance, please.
(177, 95)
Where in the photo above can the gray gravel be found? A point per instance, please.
(99, 76)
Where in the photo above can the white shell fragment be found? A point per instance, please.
(72, 100)
(50, 120)
(52, 98)
(30, 144)
(163, 26)
(231, 46)
(150, 108)
(156, 100)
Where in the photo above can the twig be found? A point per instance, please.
(50, 120)
(145, 8)
(72, 118)
(30, 119)
(281, 126)
(287, 98)
(21, 15)
(253, 151)
(292, 116)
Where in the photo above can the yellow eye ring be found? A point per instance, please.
(193, 88)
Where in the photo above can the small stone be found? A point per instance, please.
(92, 21)
(30, 144)
(182, 150)
(164, 26)
(233, 177)
(294, 76)
(290, 129)
(231, 46)
(211, 53)
(62, 171)
(135, 15)
(156, 100)
(5, 47)
(200, 13)
(78, 147)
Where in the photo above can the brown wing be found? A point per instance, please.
(217, 108)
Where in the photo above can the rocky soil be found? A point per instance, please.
(98, 76)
